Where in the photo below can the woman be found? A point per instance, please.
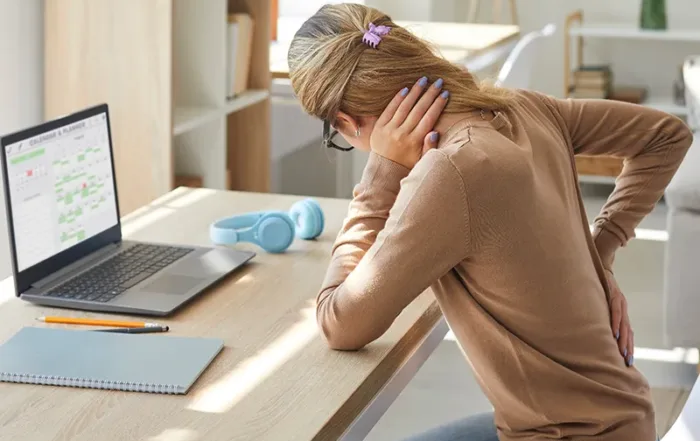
(492, 220)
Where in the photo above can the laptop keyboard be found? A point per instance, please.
(124, 270)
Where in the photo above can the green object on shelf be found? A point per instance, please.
(653, 15)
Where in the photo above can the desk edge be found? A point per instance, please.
(375, 381)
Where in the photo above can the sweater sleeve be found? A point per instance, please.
(400, 236)
(652, 144)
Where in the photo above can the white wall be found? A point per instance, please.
(21, 81)
(655, 64)
(638, 63)
(641, 63)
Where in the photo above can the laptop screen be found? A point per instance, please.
(61, 188)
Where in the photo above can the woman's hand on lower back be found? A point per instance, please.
(621, 327)
(404, 131)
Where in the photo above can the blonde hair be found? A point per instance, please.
(331, 69)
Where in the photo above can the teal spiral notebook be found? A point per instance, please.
(104, 360)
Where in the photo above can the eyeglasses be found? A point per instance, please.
(333, 140)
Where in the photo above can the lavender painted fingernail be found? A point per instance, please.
(404, 91)
(434, 137)
(438, 83)
(445, 94)
(423, 82)
(624, 354)
(631, 361)
(617, 336)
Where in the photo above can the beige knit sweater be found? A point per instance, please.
(493, 221)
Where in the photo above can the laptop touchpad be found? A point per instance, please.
(172, 284)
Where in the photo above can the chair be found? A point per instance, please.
(687, 426)
(517, 69)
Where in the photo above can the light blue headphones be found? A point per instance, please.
(273, 231)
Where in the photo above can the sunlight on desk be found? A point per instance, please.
(145, 220)
(7, 290)
(169, 197)
(244, 279)
(222, 395)
(161, 208)
(161, 201)
(176, 435)
(188, 198)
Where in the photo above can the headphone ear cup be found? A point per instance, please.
(308, 218)
(275, 232)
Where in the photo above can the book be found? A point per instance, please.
(592, 73)
(232, 44)
(594, 67)
(634, 95)
(105, 360)
(591, 69)
(589, 93)
(592, 82)
(239, 51)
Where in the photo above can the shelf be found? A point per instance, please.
(631, 32)
(186, 118)
(666, 105)
(246, 99)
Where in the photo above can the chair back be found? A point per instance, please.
(691, 78)
(517, 69)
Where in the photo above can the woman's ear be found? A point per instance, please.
(346, 124)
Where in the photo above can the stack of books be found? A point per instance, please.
(592, 82)
(239, 50)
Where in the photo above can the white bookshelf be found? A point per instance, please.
(628, 32)
(611, 30)
(161, 67)
(594, 170)
(201, 107)
(186, 118)
(244, 100)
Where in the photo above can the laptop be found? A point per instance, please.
(65, 232)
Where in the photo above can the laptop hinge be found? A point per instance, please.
(76, 267)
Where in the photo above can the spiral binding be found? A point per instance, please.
(127, 386)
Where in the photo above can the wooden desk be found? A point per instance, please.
(457, 42)
(275, 379)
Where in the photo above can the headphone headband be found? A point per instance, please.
(239, 221)
(227, 230)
